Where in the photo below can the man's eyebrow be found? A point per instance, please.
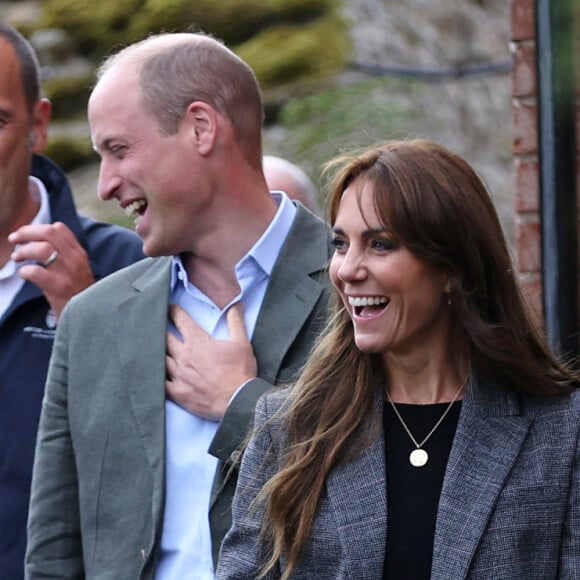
(6, 113)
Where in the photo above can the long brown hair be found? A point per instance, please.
(434, 204)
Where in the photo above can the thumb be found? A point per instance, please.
(236, 324)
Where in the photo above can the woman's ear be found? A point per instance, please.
(452, 285)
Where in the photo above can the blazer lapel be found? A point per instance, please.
(357, 492)
(485, 449)
(292, 293)
(141, 329)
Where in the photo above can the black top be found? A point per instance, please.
(413, 492)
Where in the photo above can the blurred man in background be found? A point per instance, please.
(48, 253)
(282, 175)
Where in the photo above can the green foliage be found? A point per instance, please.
(69, 95)
(70, 152)
(97, 27)
(289, 53)
(322, 125)
(233, 21)
(119, 219)
(100, 26)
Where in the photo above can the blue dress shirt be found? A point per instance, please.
(189, 469)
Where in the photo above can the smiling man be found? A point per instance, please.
(156, 371)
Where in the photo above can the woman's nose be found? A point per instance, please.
(352, 266)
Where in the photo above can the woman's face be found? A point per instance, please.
(397, 302)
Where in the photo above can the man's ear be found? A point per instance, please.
(40, 121)
(202, 120)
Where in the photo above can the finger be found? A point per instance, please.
(236, 323)
(185, 325)
(173, 345)
(57, 234)
(170, 367)
(37, 251)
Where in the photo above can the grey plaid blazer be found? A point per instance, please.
(509, 507)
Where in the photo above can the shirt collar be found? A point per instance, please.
(265, 251)
(43, 216)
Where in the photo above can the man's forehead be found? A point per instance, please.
(10, 65)
(115, 90)
(11, 84)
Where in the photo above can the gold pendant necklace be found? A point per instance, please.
(419, 457)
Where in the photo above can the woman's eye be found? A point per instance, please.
(383, 245)
(338, 243)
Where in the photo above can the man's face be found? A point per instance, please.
(154, 176)
(16, 136)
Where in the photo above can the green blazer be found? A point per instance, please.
(98, 486)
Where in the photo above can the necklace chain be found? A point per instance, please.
(419, 445)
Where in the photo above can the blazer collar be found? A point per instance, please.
(293, 291)
(140, 333)
(490, 434)
(358, 495)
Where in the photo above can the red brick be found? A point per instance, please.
(523, 19)
(527, 184)
(531, 285)
(525, 127)
(524, 69)
(527, 242)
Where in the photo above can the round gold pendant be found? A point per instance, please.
(418, 457)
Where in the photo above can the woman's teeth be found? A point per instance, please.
(367, 300)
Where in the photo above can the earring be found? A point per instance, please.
(449, 300)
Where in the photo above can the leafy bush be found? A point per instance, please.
(70, 152)
(69, 95)
(286, 53)
(100, 26)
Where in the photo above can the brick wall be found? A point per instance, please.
(525, 148)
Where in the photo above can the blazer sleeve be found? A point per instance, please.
(570, 555)
(54, 539)
(237, 420)
(243, 552)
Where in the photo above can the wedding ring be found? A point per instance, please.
(50, 259)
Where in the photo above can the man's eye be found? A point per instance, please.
(117, 149)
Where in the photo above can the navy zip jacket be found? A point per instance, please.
(27, 331)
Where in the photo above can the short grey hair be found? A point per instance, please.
(177, 69)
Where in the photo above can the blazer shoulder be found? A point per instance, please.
(311, 232)
(271, 405)
(559, 407)
(118, 285)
